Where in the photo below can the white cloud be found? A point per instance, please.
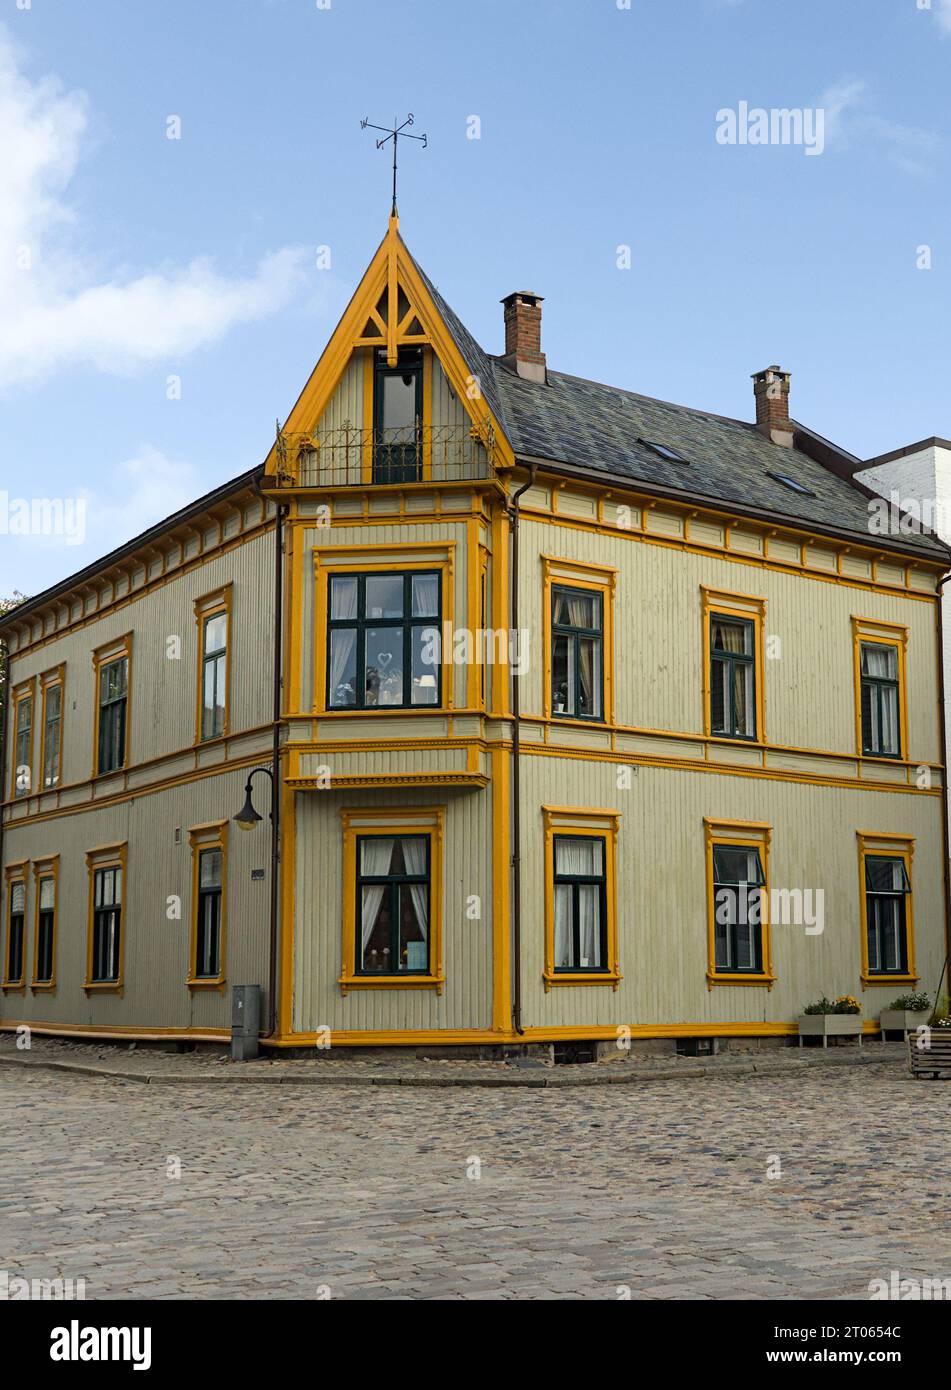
(54, 310)
(142, 491)
(848, 122)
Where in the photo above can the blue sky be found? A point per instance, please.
(127, 257)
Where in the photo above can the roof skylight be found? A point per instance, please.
(664, 451)
(792, 484)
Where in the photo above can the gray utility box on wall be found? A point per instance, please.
(245, 1022)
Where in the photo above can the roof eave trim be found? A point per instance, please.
(721, 504)
(122, 552)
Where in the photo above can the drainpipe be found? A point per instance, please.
(280, 511)
(942, 713)
(513, 512)
(4, 715)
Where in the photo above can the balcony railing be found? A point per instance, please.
(351, 457)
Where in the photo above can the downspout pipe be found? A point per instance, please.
(4, 742)
(945, 834)
(277, 686)
(513, 513)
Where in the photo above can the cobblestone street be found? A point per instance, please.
(372, 1193)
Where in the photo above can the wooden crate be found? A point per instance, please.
(934, 1060)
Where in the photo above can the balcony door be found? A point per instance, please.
(398, 418)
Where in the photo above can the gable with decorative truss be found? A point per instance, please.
(331, 434)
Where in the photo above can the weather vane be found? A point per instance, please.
(394, 135)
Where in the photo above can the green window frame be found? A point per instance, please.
(881, 699)
(732, 676)
(45, 927)
(214, 673)
(16, 933)
(580, 905)
(397, 440)
(384, 640)
(886, 914)
(393, 905)
(52, 733)
(23, 754)
(107, 924)
(577, 653)
(738, 926)
(208, 922)
(113, 714)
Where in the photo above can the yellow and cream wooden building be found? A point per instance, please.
(583, 712)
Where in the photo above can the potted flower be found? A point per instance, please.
(827, 1018)
(905, 1014)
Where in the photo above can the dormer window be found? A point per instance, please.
(398, 418)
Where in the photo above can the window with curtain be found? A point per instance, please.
(738, 882)
(580, 904)
(46, 918)
(113, 701)
(732, 676)
(208, 909)
(393, 898)
(886, 895)
(23, 772)
(577, 644)
(16, 927)
(214, 674)
(384, 640)
(880, 700)
(106, 924)
(52, 733)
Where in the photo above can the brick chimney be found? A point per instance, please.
(771, 389)
(523, 335)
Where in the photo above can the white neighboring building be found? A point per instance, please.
(920, 473)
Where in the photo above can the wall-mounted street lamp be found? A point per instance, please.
(247, 818)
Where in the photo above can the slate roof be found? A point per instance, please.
(585, 424)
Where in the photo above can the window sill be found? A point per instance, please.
(43, 986)
(103, 987)
(721, 978)
(579, 721)
(557, 978)
(13, 988)
(349, 982)
(873, 980)
(737, 740)
(355, 711)
(217, 983)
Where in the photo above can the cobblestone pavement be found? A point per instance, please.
(372, 1193)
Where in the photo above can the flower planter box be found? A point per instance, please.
(826, 1026)
(902, 1021)
(934, 1060)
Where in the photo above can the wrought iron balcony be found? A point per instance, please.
(351, 457)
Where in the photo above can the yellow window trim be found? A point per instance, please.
(213, 835)
(754, 835)
(48, 681)
(601, 579)
(898, 847)
(596, 823)
(429, 820)
(101, 657)
(14, 873)
(106, 857)
(44, 868)
(380, 559)
(884, 635)
(26, 690)
(753, 610)
(209, 606)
